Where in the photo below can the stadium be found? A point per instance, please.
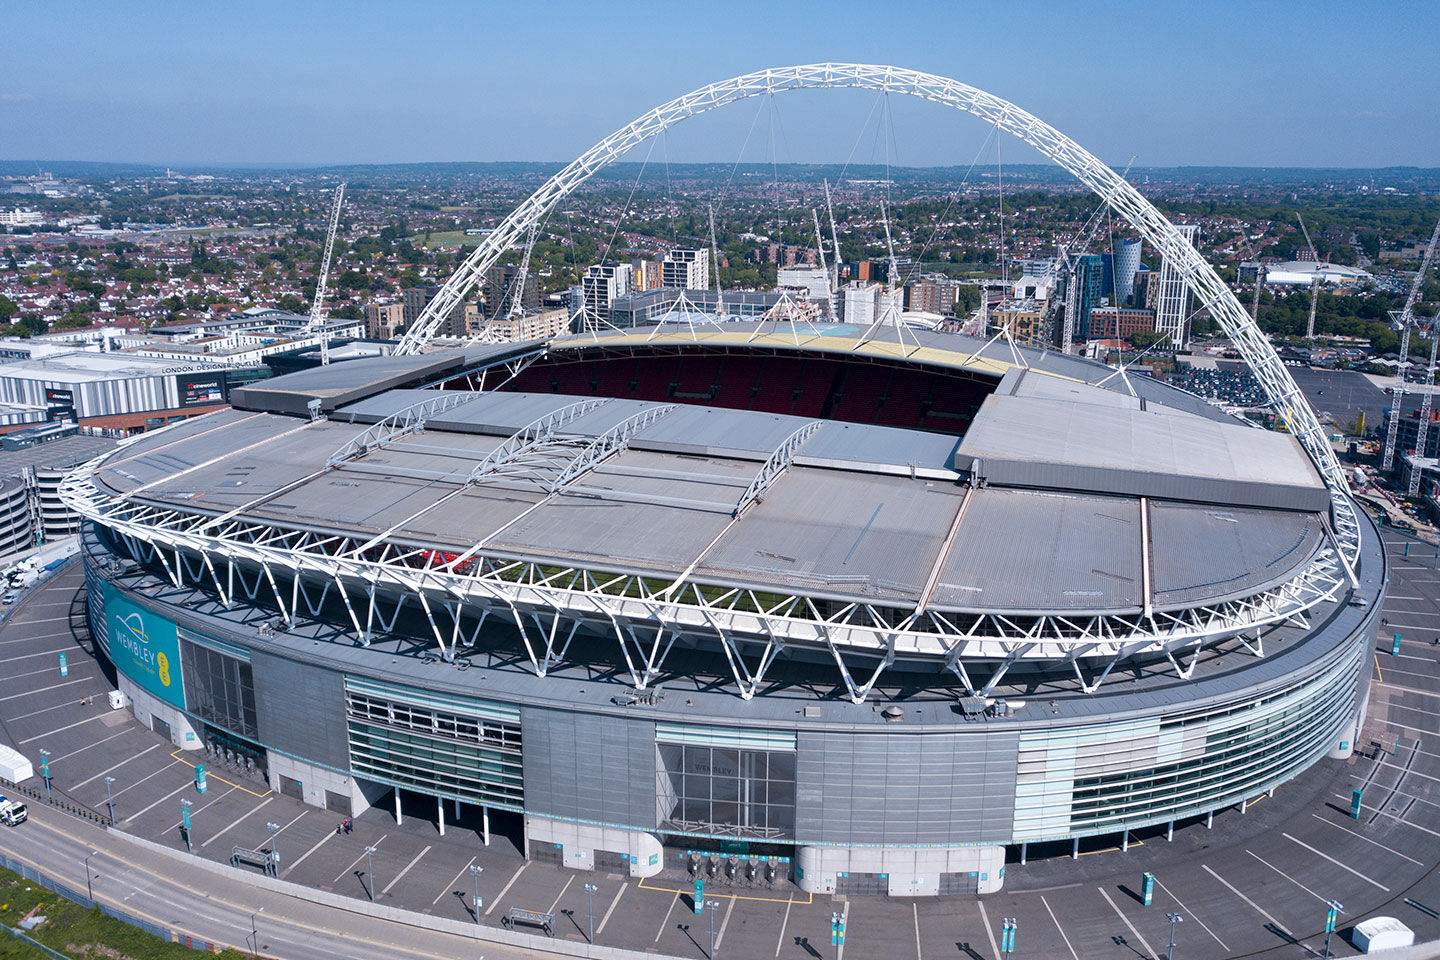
(872, 609)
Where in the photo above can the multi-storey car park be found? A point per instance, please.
(871, 610)
(862, 610)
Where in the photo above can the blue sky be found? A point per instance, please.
(1218, 83)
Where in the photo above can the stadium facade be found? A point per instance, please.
(866, 612)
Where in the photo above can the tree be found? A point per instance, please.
(967, 299)
(8, 309)
(291, 303)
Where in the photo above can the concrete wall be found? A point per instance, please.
(913, 872)
(146, 707)
(578, 843)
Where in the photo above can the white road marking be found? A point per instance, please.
(93, 743)
(117, 766)
(236, 822)
(51, 733)
(1058, 927)
(1287, 876)
(218, 796)
(54, 686)
(1191, 914)
(183, 787)
(1367, 839)
(724, 922)
(915, 911)
(148, 776)
(1258, 909)
(556, 902)
(506, 889)
(1148, 949)
(985, 922)
(399, 876)
(301, 859)
(1347, 869)
(356, 863)
(42, 653)
(451, 885)
(664, 921)
(611, 909)
(785, 921)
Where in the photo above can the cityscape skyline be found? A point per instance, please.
(325, 84)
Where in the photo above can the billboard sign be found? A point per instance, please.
(145, 647)
(59, 404)
(202, 391)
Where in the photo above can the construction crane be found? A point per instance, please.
(1314, 257)
(834, 242)
(317, 306)
(1407, 315)
(1423, 427)
(522, 275)
(1068, 261)
(715, 264)
(820, 249)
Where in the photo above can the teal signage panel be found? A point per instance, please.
(145, 647)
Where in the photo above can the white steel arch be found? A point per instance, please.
(1119, 195)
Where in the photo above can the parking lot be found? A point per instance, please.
(1254, 882)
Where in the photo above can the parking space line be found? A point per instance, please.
(556, 903)
(664, 921)
(51, 733)
(1385, 813)
(809, 897)
(615, 903)
(985, 922)
(32, 637)
(1191, 914)
(236, 822)
(785, 921)
(1052, 920)
(36, 713)
(55, 686)
(401, 875)
(36, 673)
(1258, 909)
(88, 780)
(356, 862)
(183, 787)
(148, 776)
(1286, 876)
(451, 885)
(1367, 839)
(1410, 773)
(328, 835)
(915, 914)
(42, 653)
(724, 922)
(1347, 869)
(506, 889)
(1149, 950)
(216, 798)
(215, 776)
(93, 743)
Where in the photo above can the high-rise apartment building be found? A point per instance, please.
(1126, 266)
(415, 300)
(1087, 277)
(862, 303)
(1172, 305)
(383, 320)
(602, 283)
(686, 269)
(937, 295)
(499, 284)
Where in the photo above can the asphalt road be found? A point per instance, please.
(1253, 884)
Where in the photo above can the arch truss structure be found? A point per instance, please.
(1280, 388)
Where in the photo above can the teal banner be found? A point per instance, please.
(145, 647)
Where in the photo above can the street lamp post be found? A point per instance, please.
(590, 889)
(185, 824)
(1174, 918)
(274, 828)
(45, 771)
(254, 937)
(475, 872)
(109, 800)
(88, 891)
(370, 872)
(712, 906)
(1330, 916)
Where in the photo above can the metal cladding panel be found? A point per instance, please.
(1039, 442)
(1205, 554)
(850, 444)
(205, 440)
(302, 709)
(859, 788)
(743, 434)
(589, 767)
(474, 515)
(1042, 551)
(867, 536)
(339, 384)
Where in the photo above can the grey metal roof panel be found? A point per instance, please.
(63, 453)
(716, 431)
(874, 537)
(848, 445)
(169, 454)
(1209, 554)
(1026, 441)
(1043, 551)
(339, 384)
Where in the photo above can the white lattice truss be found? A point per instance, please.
(548, 603)
(1119, 195)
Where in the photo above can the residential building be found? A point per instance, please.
(862, 303)
(383, 321)
(602, 283)
(415, 301)
(1120, 322)
(686, 269)
(934, 295)
(1172, 308)
(657, 306)
(1088, 277)
(541, 325)
(1407, 434)
(1125, 265)
(499, 284)
(1029, 321)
